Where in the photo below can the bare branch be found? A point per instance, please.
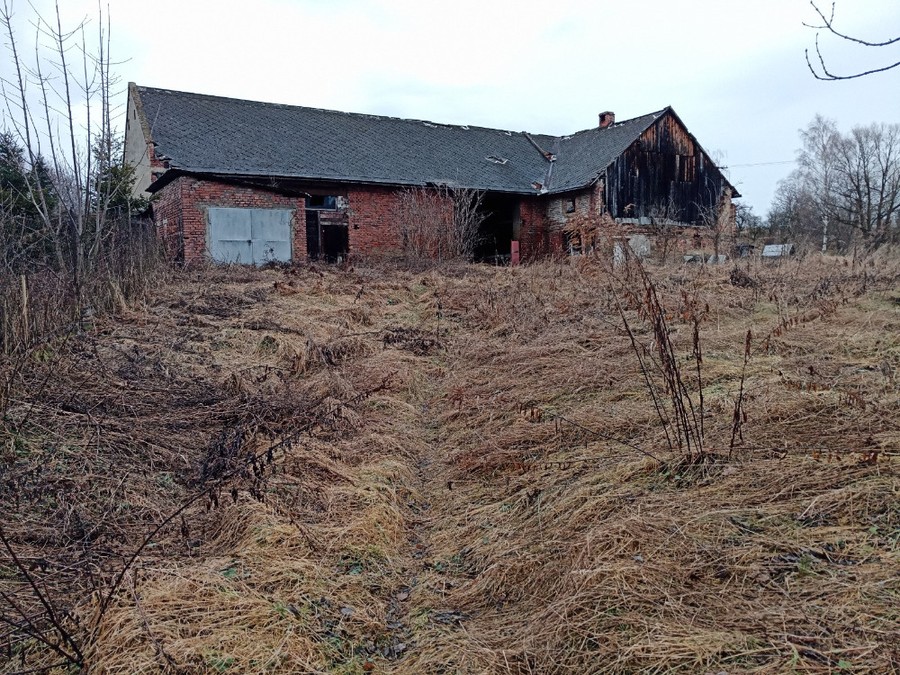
(64, 635)
(828, 24)
(828, 76)
(823, 73)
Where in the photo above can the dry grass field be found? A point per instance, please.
(463, 470)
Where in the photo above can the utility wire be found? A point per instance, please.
(736, 166)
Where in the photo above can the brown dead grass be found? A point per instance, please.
(458, 521)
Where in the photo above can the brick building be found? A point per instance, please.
(245, 181)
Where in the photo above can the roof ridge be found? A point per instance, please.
(449, 125)
(655, 115)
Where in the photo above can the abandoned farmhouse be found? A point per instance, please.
(243, 181)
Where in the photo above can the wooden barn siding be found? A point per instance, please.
(664, 166)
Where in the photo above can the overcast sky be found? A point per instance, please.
(733, 70)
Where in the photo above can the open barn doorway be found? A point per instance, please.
(497, 230)
(327, 236)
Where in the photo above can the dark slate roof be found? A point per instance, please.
(582, 156)
(215, 135)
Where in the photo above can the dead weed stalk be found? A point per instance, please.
(681, 421)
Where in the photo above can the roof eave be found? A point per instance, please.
(176, 172)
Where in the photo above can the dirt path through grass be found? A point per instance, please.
(418, 615)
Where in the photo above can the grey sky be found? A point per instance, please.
(733, 70)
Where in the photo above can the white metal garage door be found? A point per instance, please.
(248, 236)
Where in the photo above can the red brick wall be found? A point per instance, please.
(373, 216)
(157, 166)
(184, 203)
(167, 219)
(534, 228)
(373, 212)
(544, 217)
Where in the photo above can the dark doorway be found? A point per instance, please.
(327, 236)
(497, 229)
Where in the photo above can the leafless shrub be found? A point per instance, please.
(718, 220)
(666, 225)
(440, 223)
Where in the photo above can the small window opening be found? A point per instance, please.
(323, 202)
(570, 205)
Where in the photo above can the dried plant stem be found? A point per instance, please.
(738, 416)
(645, 373)
(689, 428)
(75, 657)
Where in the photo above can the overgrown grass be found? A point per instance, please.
(508, 503)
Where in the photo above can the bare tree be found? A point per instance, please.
(827, 24)
(818, 172)
(793, 213)
(65, 194)
(58, 110)
(844, 186)
(746, 221)
(869, 165)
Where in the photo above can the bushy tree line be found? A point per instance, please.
(845, 190)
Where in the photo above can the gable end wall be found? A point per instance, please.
(665, 173)
(139, 151)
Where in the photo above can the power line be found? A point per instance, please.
(741, 166)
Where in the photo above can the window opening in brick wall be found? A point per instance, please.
(324, 202)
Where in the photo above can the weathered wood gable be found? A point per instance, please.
(665, 174)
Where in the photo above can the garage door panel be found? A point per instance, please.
(231, 224)
(270, 223)
(271, 235)
(250, 236)
(271, 251)
(232, 252)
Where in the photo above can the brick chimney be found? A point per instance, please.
(607, 119)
